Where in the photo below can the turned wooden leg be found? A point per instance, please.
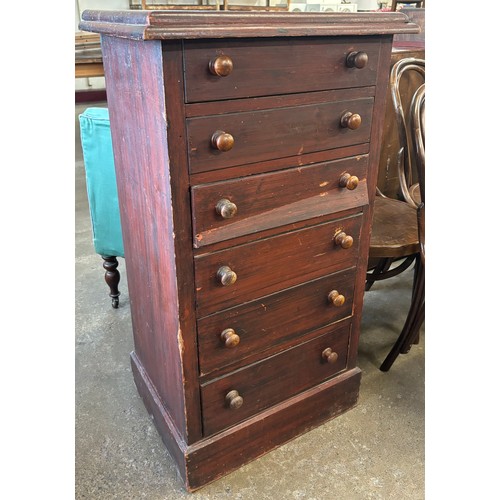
(112, 277)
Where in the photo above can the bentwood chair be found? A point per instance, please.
(416, 313)
(102, 194)
(395, 244)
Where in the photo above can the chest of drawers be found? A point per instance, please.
(246, 147)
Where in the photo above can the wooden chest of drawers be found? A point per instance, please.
(246, 147)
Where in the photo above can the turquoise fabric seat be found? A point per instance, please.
(102, 193)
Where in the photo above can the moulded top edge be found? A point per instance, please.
(171, 24)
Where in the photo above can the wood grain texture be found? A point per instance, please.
(272, 380)
(402, 239)
(281, 66)
(276, 133)
(200, 463)
(279, 262)
(375, 144)
(158, 25)
(388, 179)
(182, 236)
(272, 320)
(273, 199)
(142, 163)
(278, 164)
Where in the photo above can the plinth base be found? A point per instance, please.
(211, 458)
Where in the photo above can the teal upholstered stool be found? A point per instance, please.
(102, 193)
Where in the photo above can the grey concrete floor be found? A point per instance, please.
(374, 451)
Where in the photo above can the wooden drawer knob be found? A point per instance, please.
(221, 66)
(342, 239)
(226, 275)
(222, 141)
(350, 120)
(329, 355)
(226, 208)
(234, 400)
(230, 338)
(356, 60)
(348, 181)
(336, 298)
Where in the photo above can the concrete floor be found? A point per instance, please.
(374, 451)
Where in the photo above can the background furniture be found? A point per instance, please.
(404, 46)
(102, 193)
(417, 3)
(395, 234)
(88, 64)
(88, 56)
(268, 5)
(246, 150)
(416, 314)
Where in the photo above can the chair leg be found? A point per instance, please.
(112, 278)
(382, 266)
(413, 321)
(413, 310)
(415, 329)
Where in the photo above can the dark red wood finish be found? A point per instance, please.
(261, 199)
(269, 321)
(266, 266)
(280, 67)
(201, 463)
(293, 365)
(272, 380)
(142, 162)
(276, 133)
(375, 144)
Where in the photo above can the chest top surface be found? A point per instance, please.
(164, 25)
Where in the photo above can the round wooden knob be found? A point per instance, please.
(222, 141)
(336, 298)
(342, 239)
(356, 60)
(221, 66)
(230, 338)
(329, 355)
(234, 400)
(348, 181)
(226, 275)
(350, 120)
(226, 208)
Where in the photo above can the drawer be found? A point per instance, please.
(239, 395)
(225, 140)
(272, 321)
(276, 67)
(266, 266)
(275, 199)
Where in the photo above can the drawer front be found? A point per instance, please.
(266, 266)
(275, 67)
(271, 200)
(273, 320)
(274, 379)
(275, 133)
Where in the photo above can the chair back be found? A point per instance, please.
(406, 157)
(418, 128)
